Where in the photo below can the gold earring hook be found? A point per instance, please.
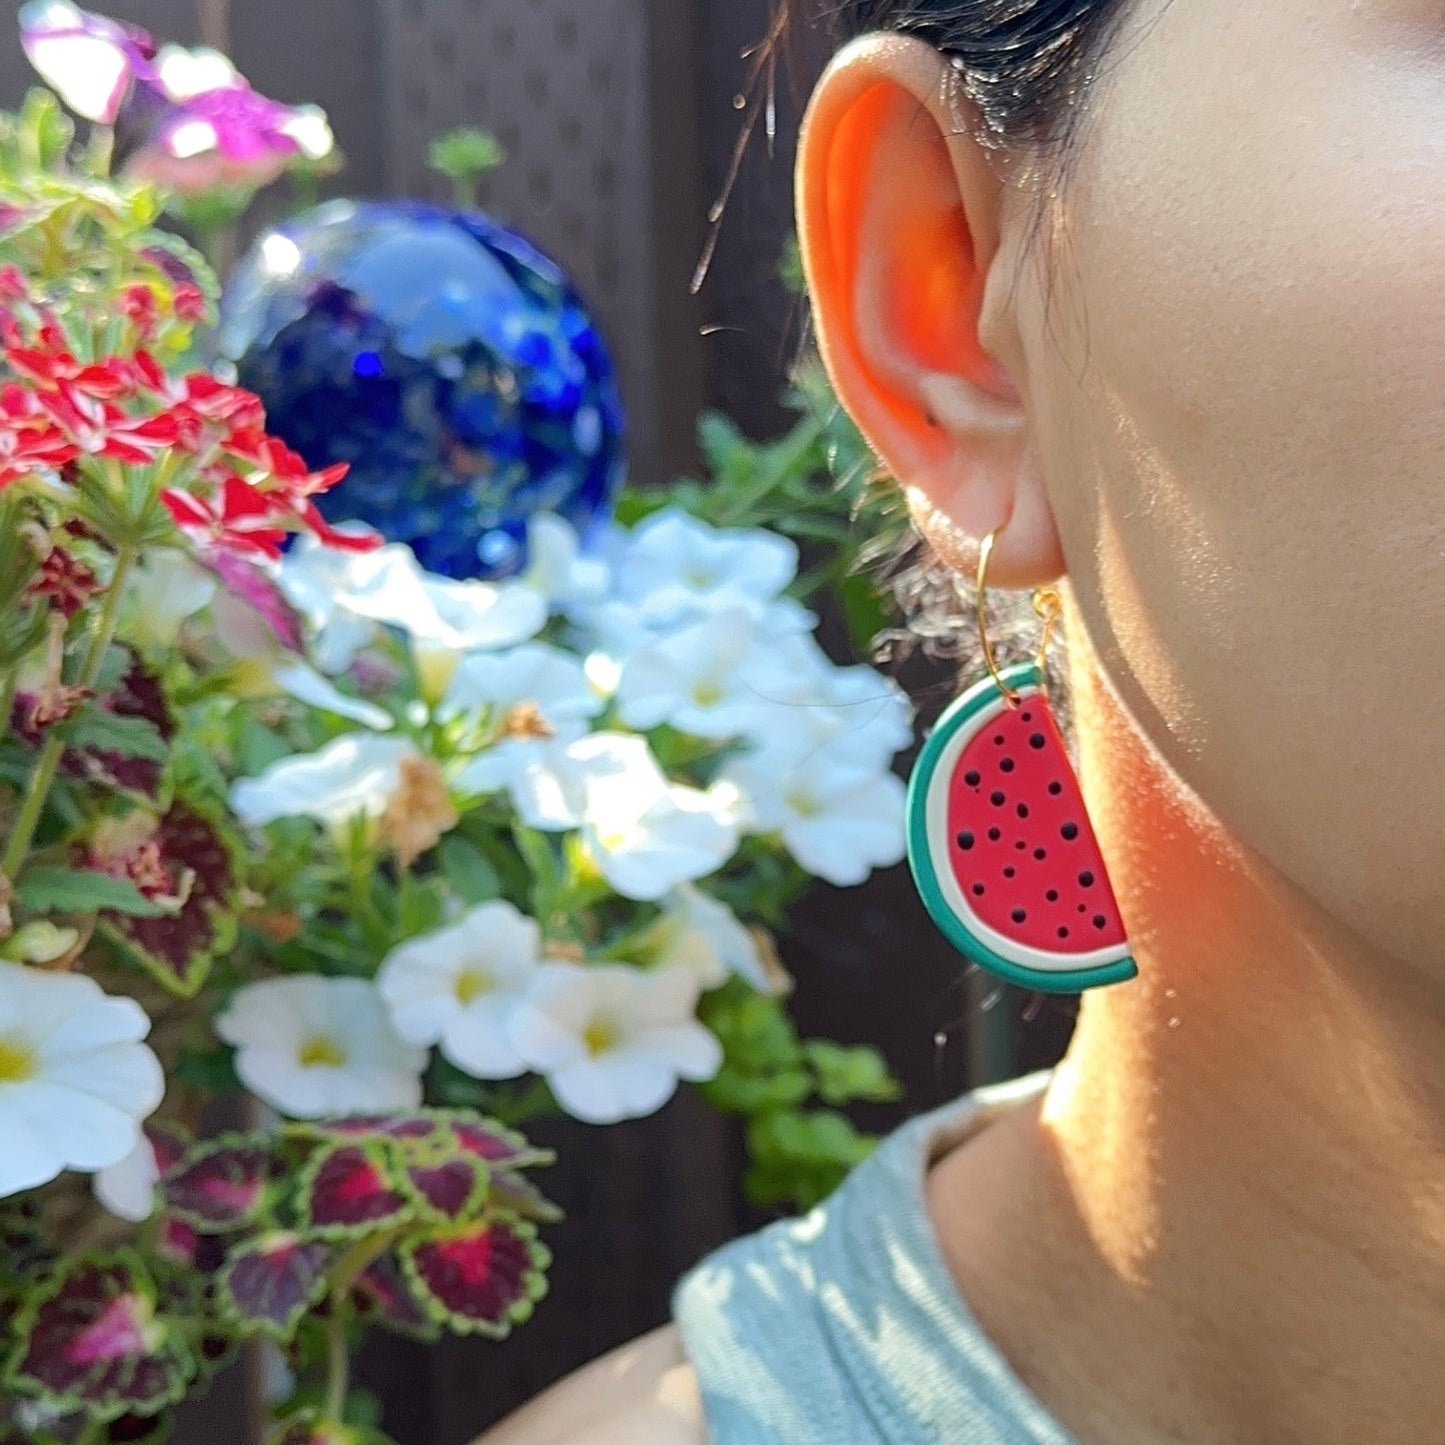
(1048, 606)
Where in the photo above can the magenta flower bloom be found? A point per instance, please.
(90, 61)
(214, 130)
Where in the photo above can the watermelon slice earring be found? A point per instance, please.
(999, 841)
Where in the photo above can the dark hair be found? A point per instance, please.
(1025, 64)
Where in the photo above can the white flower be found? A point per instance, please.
(675, 565)
(837, 820)
(164, 588)
(75, 1078)
(311, 1046)
(443, 619)
(457, 987)
(696, 679)
(307, 685)
(613, 1040)
(861, 717)
(556, 567)
(356, 775)
(644, 834)
(532, 695)
(699, 934)
(128, 1188)
(312, 576)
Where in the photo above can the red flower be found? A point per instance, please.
(13, 286)
(70, 584)
(139, 305)
(28, 442)
(190, 303)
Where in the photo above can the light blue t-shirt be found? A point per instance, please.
(844, 1326)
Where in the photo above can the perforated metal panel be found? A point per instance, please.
(569, 88)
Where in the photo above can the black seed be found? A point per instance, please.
(1099, 920)
(1006, 765)
(1063, 933)
(1019, 915)
(1052, 895)
(1055, 789)
(1086, 880)
(1070, 831)
(1028, 717)
(972, 779)
(994, 835)
(1023, 810)
(1021, 845)
(997, 800)
(999, 739)
(1041, 854)
(965, 841)
(1009, 872)
(1083, 908)
(1037, 740)
(978, 889)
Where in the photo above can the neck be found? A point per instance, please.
(1245, 1146)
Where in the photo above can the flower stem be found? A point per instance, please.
(44, 775)
(338, 1359)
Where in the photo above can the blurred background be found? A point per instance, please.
(621, 120)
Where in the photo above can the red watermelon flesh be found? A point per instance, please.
(1023, 851)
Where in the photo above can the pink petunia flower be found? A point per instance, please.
(89, 60)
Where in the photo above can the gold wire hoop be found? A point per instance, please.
(1048, 606)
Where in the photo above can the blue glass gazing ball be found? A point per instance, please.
(446, 359)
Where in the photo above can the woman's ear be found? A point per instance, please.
(901, 220)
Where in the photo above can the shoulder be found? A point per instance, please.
(642, 1393)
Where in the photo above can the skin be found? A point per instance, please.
(1205, 401)
(1226, 1221)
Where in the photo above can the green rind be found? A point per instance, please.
(1017, 677)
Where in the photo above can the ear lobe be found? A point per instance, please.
(899, 219)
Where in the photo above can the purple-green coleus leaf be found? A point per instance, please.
(196, 855)
(348, 1190)
(269, 1283)
(93, 1340)
(479, 1278)
(383, 1295)
(222, 1184)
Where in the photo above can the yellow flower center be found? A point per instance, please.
(472, 983)
(321, 1050)
(805, 805)
(600, 1035)
(707, 694)
(17, 1063)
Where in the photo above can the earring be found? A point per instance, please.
(999, 841)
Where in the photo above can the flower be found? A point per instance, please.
(420, 812)
(75, 1078)
(557, 568)
(531, 696)
(675, 566)
(217, 131)
(457, 987)
(356, 775)
(837, 819)
(443, 619)
(697, 933)
(312, 576)
(613, 1040)
(164, 588)
(88, 60)
(644, 834)
(310, 1046)
(696, 680)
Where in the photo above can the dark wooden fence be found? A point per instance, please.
(619, 118)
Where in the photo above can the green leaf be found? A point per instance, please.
(131, 737)
(849, 1074)
(468, 871)
(48, 889)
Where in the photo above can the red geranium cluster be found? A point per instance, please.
(238, 488)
